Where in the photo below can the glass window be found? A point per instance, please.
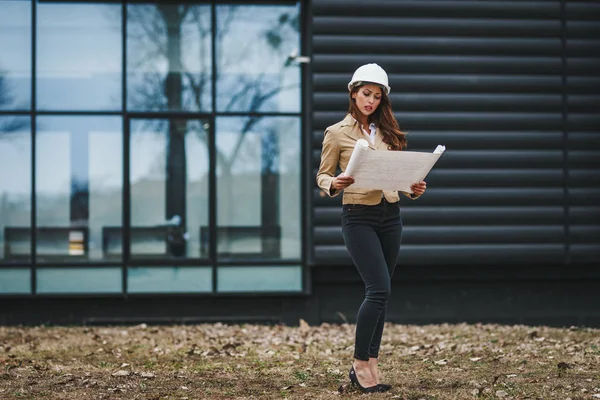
(169, 280)
(258, 187)
(260, 279)
(169, 57)
(202, 79)
(253, 45)
(169, 187)
(79, 56)
(15, 281)
(15, 55)
(79, 179)
(15, 188)
(79, 280)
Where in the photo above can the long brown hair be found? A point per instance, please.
(384, 119)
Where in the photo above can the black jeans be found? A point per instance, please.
(372, 235)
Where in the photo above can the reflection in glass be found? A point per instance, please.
(15, 281)
(260, 279)
(169, 57)
(15, 55)
(169, 187)
(79, 280)
(79, 56)
(78, 186)
(253, 46)
(258, 187)
(169, 279)
(15, 188)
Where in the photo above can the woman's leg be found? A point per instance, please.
(362, 241)
(390, 237)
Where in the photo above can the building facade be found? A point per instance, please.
(158, 159)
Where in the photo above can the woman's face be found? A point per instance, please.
(367, 98)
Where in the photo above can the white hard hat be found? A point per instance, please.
(370, 73)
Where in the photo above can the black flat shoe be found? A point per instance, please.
(370, 389)
(384, 387)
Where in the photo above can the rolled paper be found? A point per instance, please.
(359, 150)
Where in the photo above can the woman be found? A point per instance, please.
(371, 224)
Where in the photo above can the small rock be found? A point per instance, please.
(501, 393)
(121, 373)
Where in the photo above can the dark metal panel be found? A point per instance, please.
(336, 44)
(463, 120)
(582, 47)
(428, 235)
(454, 83)
(507, 140)
(420, 64)
(452, 101)
(583, 85)
(584, 196)
(486, 178)
(585, 253)
(583, 65)
(584, 177)
(583, 29)
(481, 27)
(490, 178)
(465, 215)
(473, 254)
(584, 140)
(581, 121)
(475, 197)
(487, 82)
(585, 215)
(482, 159)
(583, 130)
(447, 8)
(589, 103)
(584, 159)
(586, 234)
(515, 141)
(582, 10)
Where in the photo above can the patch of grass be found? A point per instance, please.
(105, 364)
(302, 375)
(273, 362)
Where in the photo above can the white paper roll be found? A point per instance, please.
(361, 146)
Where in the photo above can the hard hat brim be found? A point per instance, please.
(352, 84)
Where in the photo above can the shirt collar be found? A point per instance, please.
(372, 126)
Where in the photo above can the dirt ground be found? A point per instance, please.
(219, 361)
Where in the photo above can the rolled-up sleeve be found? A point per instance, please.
(330, 156)
(411, 196)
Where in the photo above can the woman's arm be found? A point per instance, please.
(330, 157)
(418, 189)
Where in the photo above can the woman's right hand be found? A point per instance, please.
(341, 182)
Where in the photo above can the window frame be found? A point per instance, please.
(127, 116)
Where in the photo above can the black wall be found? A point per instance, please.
(509, 229)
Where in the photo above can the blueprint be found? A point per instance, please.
(389, 170)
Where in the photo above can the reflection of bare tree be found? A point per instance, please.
(7, 124)
(162, 35)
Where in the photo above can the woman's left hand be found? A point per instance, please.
(419, 188)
